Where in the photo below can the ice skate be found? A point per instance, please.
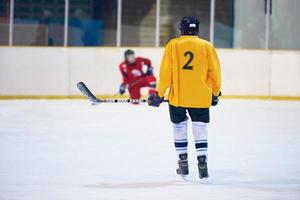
(183, 167)
(202, 167)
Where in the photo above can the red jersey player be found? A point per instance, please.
(134, 77)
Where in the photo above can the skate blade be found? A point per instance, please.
(196, 180)
(180, 174)
(205, 180)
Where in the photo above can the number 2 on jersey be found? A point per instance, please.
(187, 65)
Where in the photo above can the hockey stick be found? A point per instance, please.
(86, 92)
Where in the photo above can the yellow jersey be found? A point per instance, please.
(191, 70)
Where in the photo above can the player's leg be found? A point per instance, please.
(179, 119)
(135, 92)
(200, 118)
(151, 83)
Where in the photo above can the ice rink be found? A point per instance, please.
(70, 150)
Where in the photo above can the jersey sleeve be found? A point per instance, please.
(123, 73)
(146, 61)
(214, 70)
(165, 75)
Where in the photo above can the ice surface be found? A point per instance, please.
(70, 150)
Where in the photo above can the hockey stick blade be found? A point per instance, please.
(86, 92)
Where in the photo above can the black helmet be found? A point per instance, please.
(128, 52)
(189, 26)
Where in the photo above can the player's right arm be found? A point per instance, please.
(165, 75)
(124, 74)
(165, 78)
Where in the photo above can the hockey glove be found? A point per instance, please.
(149, 71)
(155, 100)
(122, 88)
(215, 99)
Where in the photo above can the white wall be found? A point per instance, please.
(285, 73)
(245, 72)
(34, 71)
(55, 71)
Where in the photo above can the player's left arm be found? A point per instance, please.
(214, 70)
(148, 63)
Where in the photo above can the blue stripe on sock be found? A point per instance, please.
(201, 145)
(180, 144)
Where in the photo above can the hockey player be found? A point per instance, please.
(190, 69)
(134, 77)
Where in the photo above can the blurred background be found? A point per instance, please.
(259, 24)
(240, 29)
